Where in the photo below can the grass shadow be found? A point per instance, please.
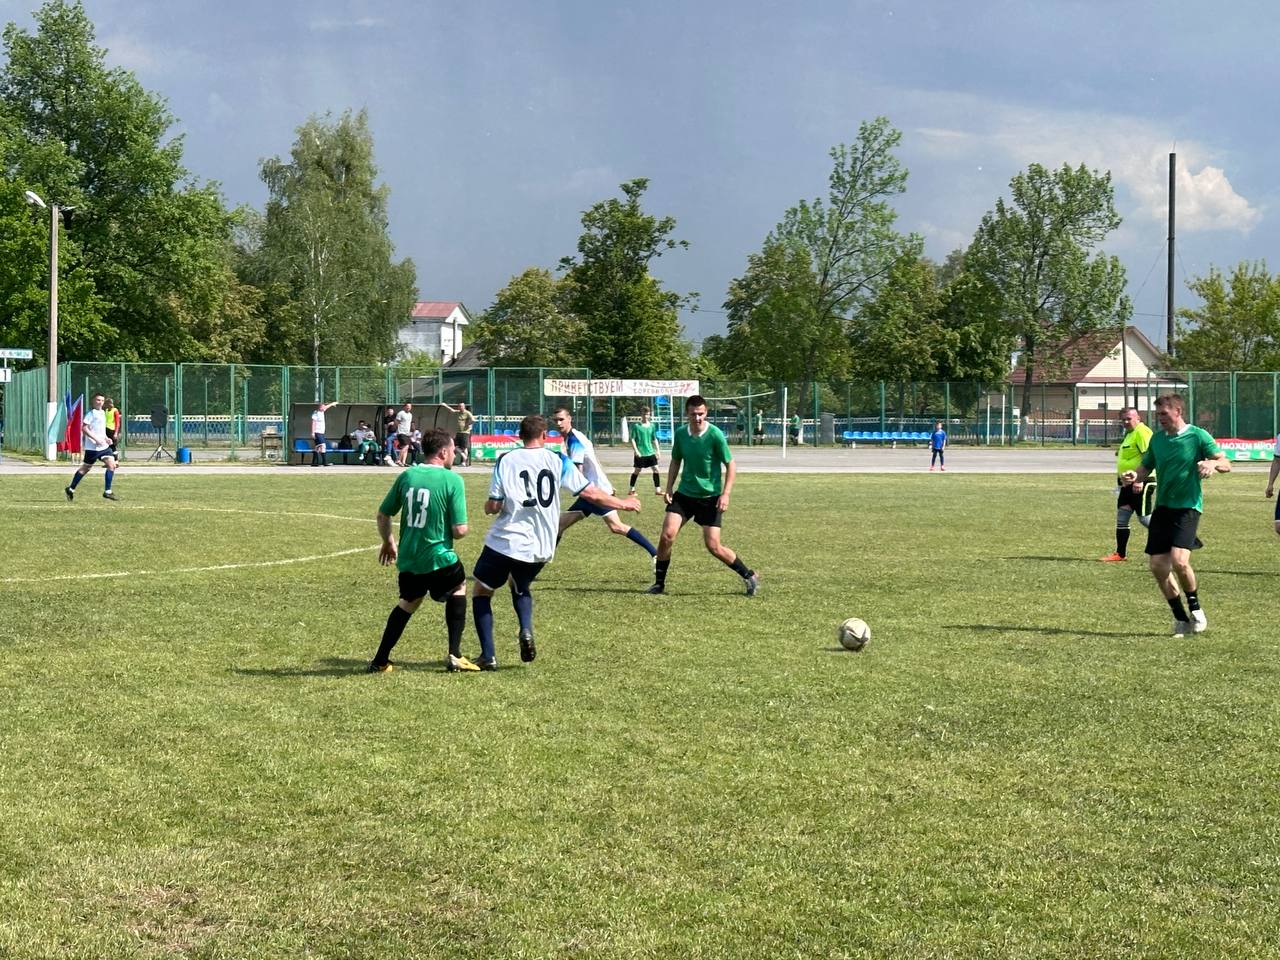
(1053, 559)
(334, 667)
(1043, 631)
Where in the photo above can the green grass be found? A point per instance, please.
(1021, 764)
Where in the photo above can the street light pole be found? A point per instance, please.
(51, 411)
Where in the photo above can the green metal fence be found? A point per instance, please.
(228, 406)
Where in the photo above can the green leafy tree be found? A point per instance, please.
(791, 312)
(530, 323)
(1236, 326)
(322, 254)
(629, 322)
(152, 242)
(1035, 256)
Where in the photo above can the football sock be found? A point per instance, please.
(523, 603)
(739, 567)
(1175, 604)
(396, 623)
(634, 477)
(315, 458)
(75, 479)
(482, 614)
(657, 482)
(1122, 540)
(455, 619)
(1193, 601)
(635, 536)
(110, 474)
(660, 572)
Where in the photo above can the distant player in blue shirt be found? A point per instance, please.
(938, 444)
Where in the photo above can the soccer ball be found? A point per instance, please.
(853, 634)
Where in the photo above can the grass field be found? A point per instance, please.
(1023, 763)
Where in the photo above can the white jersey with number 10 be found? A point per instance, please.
(528, 481)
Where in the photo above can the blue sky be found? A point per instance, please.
(497, 124)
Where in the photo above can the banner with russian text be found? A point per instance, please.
(1237, 449)
(553, 387)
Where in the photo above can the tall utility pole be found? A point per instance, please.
(1173, 165)
(51, 411)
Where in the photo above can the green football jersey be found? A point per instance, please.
(1174, 459)
(433, 502)
(703, 457)
(642, 435)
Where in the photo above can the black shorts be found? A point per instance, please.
(639, 463)
(1129, 498)
(462, 441)
(93, 456)
(701, 510)
(493, 569)
(1171, 528)
(439, 583)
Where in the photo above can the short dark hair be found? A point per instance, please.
(644, 409)
(562, 409)
(532, 427)
(1170, 401)
(697, 400)
(433, 441)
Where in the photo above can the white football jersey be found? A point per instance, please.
(95, 425)
(583, 453)
(527, 481)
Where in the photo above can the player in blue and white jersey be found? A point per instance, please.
(583, 454)
(524, 494)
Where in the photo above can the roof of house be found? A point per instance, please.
(1083, 354)
(436, 309)
(468, 357)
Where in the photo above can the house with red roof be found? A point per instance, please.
(1088, 374)
(435, 328)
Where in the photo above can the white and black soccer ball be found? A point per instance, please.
(853, 634)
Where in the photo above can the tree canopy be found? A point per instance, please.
(1034, 257)
(1237, 325)
(147, 267)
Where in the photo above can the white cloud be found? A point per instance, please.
(131, 53)
(1134, 150)
(329, 24)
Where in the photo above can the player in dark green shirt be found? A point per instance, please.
(644, 446)
(1183, 456)
(703, 494)
(433, 513)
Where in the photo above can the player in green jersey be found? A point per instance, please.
(703, 495)
(1137, 438)
(1184, 456)
(644, 447)
(433, 513)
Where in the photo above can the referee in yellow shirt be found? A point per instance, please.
(1129, 457)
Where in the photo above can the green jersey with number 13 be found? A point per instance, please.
(431, 501)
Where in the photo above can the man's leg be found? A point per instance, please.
(109, 465)
(522, 600)
(657, 482)
(567, 520)
(635, 475)
(1162, 569)
(1124, 514)
(396, 622)
(711, 537)
(671, 524)
(482, 615)
(615, 525)
(75, 480)
(1181, 561)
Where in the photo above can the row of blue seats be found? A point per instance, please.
(852, 436)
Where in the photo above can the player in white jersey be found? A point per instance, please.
(525, 495)
(583, 453)
(97, 447)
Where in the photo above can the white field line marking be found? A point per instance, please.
(221, 566)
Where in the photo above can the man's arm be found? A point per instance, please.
(730, 474)
(387, 552)
(673, 468)
(1271, 477)
(459, 531)
(600, 498)
(1217, 463)
(492, 507)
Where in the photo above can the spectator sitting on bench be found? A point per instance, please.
(415, 446)
(366, 444)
